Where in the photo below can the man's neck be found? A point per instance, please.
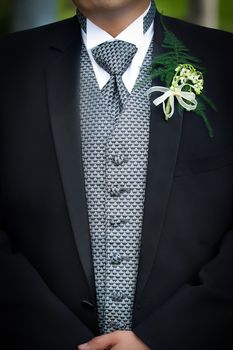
(114, 22)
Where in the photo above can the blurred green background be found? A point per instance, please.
(23, 14)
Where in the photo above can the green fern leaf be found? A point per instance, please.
(165, 64)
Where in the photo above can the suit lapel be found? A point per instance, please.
(163, 149)
(62, 83)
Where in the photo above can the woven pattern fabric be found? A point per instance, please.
(149, 18)
(114, 153)
(82, 20)
(115, 57)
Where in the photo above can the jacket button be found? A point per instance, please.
(87, 304)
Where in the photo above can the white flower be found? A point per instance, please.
(186, 84)
(187, 74)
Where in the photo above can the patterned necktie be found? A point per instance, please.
(115, 57)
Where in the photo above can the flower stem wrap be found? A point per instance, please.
(185, 98)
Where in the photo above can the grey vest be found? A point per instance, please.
(114, 154)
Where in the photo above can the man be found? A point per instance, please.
(116, 226)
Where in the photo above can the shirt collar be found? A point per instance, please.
(132, 34)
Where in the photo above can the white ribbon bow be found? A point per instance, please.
(170, 94)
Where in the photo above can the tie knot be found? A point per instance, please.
(114, 56)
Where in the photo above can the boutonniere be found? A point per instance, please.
(184, 80)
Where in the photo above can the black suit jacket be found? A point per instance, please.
(184, 296)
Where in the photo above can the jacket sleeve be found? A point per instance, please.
(197, 317)
(31, 316)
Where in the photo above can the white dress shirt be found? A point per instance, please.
(132, 34)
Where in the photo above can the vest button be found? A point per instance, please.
(117, 191)
(119, 160)
(87, 304)
(118, 325)
(116, 259)
(117, 296)
(115, 222)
